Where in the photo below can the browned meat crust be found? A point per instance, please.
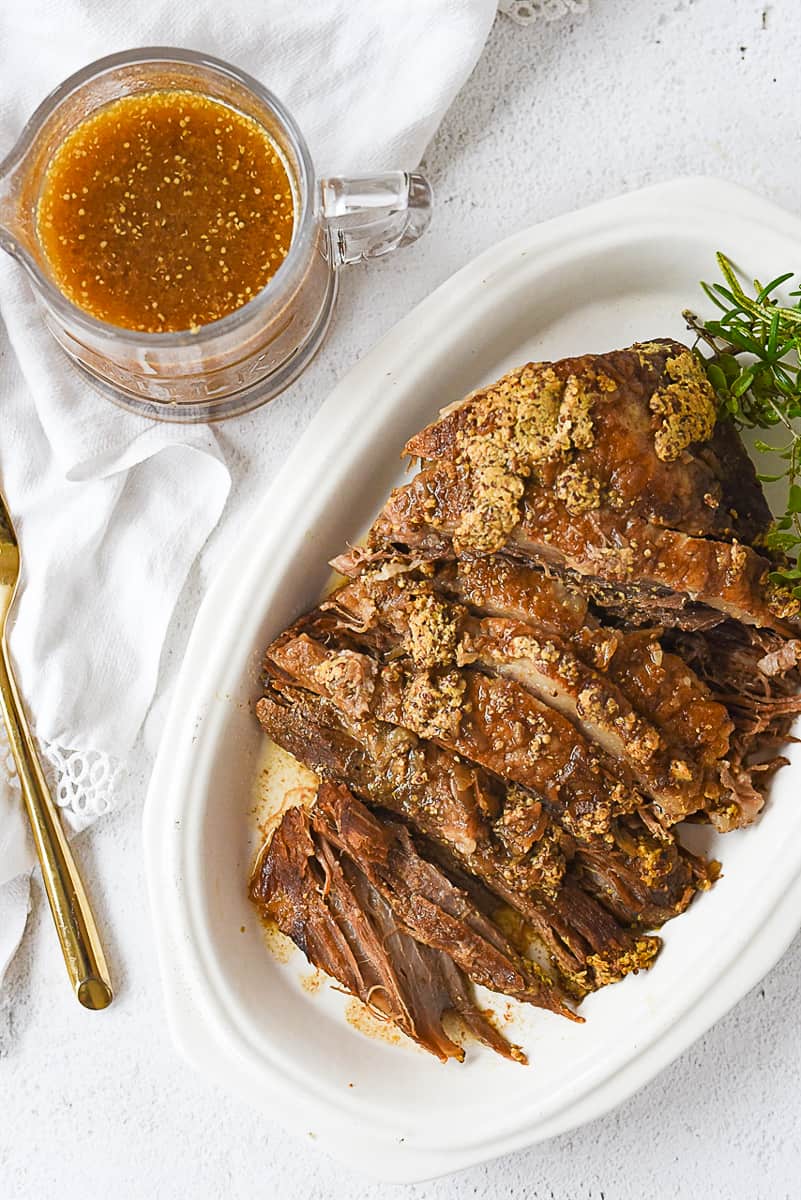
(634, 427)
(741, 491)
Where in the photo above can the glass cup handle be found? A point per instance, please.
(370, 215)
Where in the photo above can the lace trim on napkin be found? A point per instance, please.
(84, 782)
(525, 12)
(8, 772)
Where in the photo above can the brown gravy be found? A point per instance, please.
(164, 211)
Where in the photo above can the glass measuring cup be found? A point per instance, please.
(246, 358)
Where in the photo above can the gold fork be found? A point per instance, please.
(75, 924)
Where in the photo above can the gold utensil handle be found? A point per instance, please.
(75, 924)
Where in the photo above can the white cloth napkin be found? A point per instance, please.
(111, 509)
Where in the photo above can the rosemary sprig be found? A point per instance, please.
(752, 356)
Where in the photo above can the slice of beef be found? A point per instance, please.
(462, 802)
(443, 514)
(660, 685)
(663, 687)
(636, 427)
(326, 905)
(664, 770)
(629, 604)
(500, 587)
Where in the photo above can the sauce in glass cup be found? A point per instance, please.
(92, 205)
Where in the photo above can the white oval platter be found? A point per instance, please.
(588, 282)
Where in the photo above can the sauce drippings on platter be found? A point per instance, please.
(164, 211)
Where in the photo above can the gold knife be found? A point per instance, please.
(75, 924)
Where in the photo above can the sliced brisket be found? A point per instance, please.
(559, 639)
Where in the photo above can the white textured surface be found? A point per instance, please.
(554, 117)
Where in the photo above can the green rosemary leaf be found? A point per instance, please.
(743, 383)
(781, 541)
(765, 292)
(717, 378)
